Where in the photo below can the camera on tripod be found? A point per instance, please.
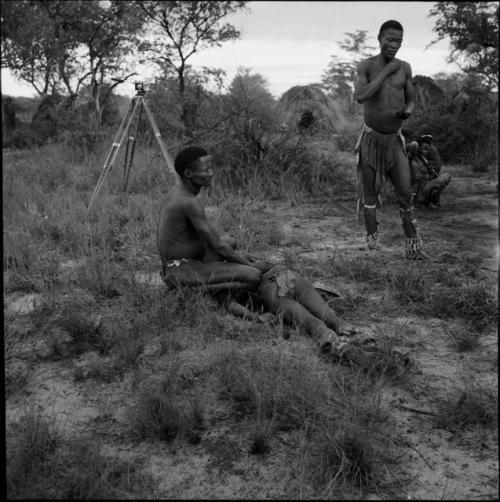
(139, 87)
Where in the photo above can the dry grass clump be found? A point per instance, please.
(474, 302)
(86, 333)
(351, 446)
(411, 286)
(42, 464)
(451, 298)
(102, 276)
(269, 385)
(163, 412)
(347, 435)
(470, 403)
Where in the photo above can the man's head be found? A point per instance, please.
(194, 163)
(390, 37)
(425, 138)
(424, 143)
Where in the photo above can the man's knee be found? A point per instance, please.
(252, 275)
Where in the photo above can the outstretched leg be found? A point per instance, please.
(294, 314)
(308, 297)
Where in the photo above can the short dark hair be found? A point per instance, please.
(395, 25)
(425, 138)
(187, 157)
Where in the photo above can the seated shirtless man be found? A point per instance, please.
(191, 250)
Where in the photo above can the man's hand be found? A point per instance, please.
(266, 318)
(403, 114)
(392, 66)
(262, 265)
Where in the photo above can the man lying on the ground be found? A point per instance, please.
(289, 296)
(427, 180)
(191, 250)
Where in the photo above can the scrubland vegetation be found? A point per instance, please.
(119, 388)
(180, 367)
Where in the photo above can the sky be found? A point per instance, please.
(291, 43)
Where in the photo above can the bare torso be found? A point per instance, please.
(380, 111)
(176, 236)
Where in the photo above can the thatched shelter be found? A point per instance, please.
(428, 93)
(307, 107)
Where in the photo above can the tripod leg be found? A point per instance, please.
(119, 133)
(129, 152)
(157, 133)
(114, 151)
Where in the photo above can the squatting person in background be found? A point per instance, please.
(427, 180)
(384, 88)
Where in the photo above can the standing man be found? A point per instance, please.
(384, 88)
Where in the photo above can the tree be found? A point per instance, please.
(62, 46)
(31, 44)
(472, 28)
(254, 106)
(182, 28)
(340, 76)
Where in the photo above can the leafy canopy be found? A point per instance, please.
(472, 28)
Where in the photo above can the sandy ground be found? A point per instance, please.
(437, 464)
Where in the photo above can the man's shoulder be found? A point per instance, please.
(366, 63)
(178, 199)
(405, 65)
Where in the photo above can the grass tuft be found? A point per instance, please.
(163, 413)
(42, 464)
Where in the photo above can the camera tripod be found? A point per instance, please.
(128, 129)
